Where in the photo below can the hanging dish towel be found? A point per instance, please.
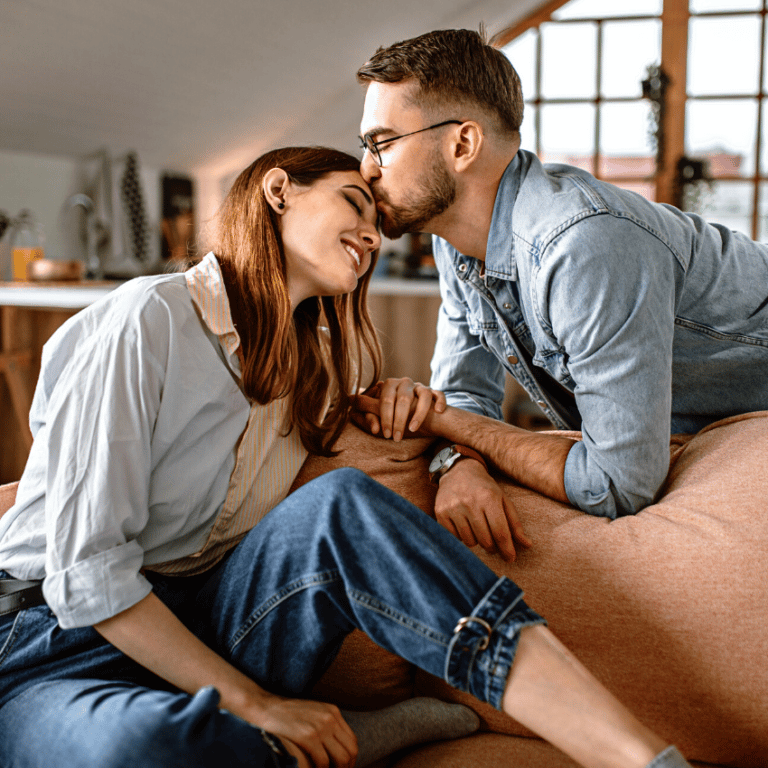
(133, 203)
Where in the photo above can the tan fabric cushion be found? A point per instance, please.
(668, 608)
(490, 749)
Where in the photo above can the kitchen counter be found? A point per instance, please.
(53, 295)
(82, 294)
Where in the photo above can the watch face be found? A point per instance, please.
(440, 458)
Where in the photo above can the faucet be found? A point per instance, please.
(96, 234)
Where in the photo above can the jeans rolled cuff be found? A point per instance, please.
(483, 646)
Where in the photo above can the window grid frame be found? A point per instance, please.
(674, 11)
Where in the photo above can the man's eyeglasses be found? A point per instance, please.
(367, 142)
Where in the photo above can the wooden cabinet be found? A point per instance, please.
(29, 314)
(405, 316)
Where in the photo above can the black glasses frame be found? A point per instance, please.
(367, 142)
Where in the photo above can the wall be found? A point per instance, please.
(42, 183)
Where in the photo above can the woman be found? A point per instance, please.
(181, 621)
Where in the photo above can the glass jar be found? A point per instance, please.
(26, 240)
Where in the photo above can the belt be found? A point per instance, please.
(17, 595)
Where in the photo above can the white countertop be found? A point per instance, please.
(79, 295)
(53, 295)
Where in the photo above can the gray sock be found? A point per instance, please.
(669, 758)
(414, 721)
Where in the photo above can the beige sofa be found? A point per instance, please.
(669, 608)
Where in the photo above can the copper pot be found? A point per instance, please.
(50, 270)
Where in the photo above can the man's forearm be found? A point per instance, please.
(530, 458)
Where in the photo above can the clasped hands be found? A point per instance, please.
(470, 504)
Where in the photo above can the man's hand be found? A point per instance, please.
(396, 407)
(471, 505)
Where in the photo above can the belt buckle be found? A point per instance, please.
(465, 620)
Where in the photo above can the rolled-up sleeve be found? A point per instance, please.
(99, 422)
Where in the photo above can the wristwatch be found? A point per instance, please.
(446, 458)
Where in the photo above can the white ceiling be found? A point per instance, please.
(201, 85)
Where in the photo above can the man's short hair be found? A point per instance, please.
(454, 66)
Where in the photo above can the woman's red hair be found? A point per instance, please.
(288, 353)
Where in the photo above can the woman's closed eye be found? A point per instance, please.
(354, 204)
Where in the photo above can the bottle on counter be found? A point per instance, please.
(5, 249)
(26, 241)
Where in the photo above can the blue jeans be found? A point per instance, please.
(343, 552)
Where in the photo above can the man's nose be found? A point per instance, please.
(368, 168)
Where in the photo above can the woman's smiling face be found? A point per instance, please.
(328, 231)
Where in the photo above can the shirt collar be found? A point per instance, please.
(206, 286)
(500, 251)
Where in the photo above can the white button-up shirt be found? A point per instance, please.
(139, 422)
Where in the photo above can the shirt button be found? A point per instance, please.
(462, 267)
(512, 359)
(507, 305)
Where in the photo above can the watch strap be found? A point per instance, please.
(470, 453)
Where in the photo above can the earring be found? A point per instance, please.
(281, 206)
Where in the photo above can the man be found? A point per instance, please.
(625, 319)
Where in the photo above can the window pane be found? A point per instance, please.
(724, 132)
(628, 48)
(702, 6)
(624, 140)
(568, 134)
(569, 54)
(522, 53)
(764, 143)
(605, 9)
(729, 203)
(765, 68)
(528, 128)
(723, 55)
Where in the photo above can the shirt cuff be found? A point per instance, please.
(98, 588)
(591, 493)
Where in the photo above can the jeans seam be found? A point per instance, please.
(12, 635)
(406, 622)
(362, 598)
(298, 585)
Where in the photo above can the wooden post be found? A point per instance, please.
(674, 62)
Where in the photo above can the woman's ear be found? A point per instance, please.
(467, 145)
(275, 185)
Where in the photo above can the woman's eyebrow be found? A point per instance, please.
(367, 197)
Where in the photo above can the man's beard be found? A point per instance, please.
(434, 194)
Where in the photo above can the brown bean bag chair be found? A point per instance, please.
(668, 608)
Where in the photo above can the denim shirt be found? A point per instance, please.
(655, 320)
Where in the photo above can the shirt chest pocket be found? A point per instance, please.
(484, 324)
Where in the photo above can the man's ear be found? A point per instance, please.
(276, 184)
(468, 143)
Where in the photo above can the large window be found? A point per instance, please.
(665, 97)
